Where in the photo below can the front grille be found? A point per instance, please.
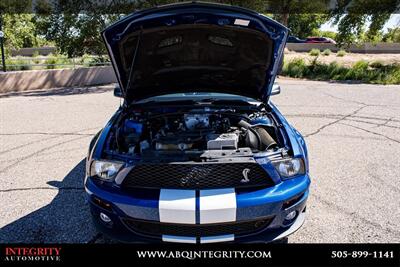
(197, 176)
(197, 230)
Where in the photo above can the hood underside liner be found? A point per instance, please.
(195, 47)
(197, 58)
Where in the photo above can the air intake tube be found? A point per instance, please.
(257, 137)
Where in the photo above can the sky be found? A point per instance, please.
(394, 21)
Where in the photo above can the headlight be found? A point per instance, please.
(288, 168)
(106, 170)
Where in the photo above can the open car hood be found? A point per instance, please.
(195, 47)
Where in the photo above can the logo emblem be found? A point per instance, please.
(192, 178)
(245, 175)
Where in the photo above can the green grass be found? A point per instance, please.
(97, 61)
(341, 53)
(85, 60)
(376, 64)
(361, 71)
(314, 52)
(55, 61)
(36, 54)
(326, 52)
(18, 63)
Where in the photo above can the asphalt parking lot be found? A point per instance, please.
(352, 132)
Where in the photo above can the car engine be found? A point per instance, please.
(139, 132)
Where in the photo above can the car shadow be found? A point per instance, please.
(284, 240)
(66, 219)
(63, 91)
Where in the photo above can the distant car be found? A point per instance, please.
(294, 39)
(325, 40)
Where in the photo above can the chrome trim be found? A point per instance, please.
(122, 174)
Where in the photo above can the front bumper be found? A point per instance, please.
(274, 202)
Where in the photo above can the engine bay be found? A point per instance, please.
(152, 132)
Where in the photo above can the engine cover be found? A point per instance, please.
(196, 121)
(222, 141)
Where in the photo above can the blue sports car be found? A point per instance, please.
(197, 152)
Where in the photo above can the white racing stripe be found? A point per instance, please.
(177, 206)
(215, 239)
(217, 205)
(179, 239)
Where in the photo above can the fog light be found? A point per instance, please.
(290, 216)
(104, 218)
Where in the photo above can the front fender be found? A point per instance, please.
(97, 143)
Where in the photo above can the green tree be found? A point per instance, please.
(75, 26)
(301, 17)
(304, 25)
(15, 6)
(318, 32)
(17, 25)
(356, 18)
(20, 31)
(392, 35)
(286, 10)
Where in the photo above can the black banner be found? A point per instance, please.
(221, 254)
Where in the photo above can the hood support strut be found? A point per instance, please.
(130, 79)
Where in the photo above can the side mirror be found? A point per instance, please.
(118, 91)
(276, 89)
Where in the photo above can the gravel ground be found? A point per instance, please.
(352, 132)
(348, 60)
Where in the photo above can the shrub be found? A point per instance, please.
(93, 61)
(376, 64)
(314, 52)
(360, 71)
(326, 52)
(98, 61)
(341, 53)
(56, 62)
(35, 55)
(85, 60)
(336, 71)
(296, 68)
(360, 65)
(11, 65)
(18, 63)
(50, 62)
(391, 74)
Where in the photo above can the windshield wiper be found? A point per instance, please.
(209, 102)
(179, 103)
(235, 102)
